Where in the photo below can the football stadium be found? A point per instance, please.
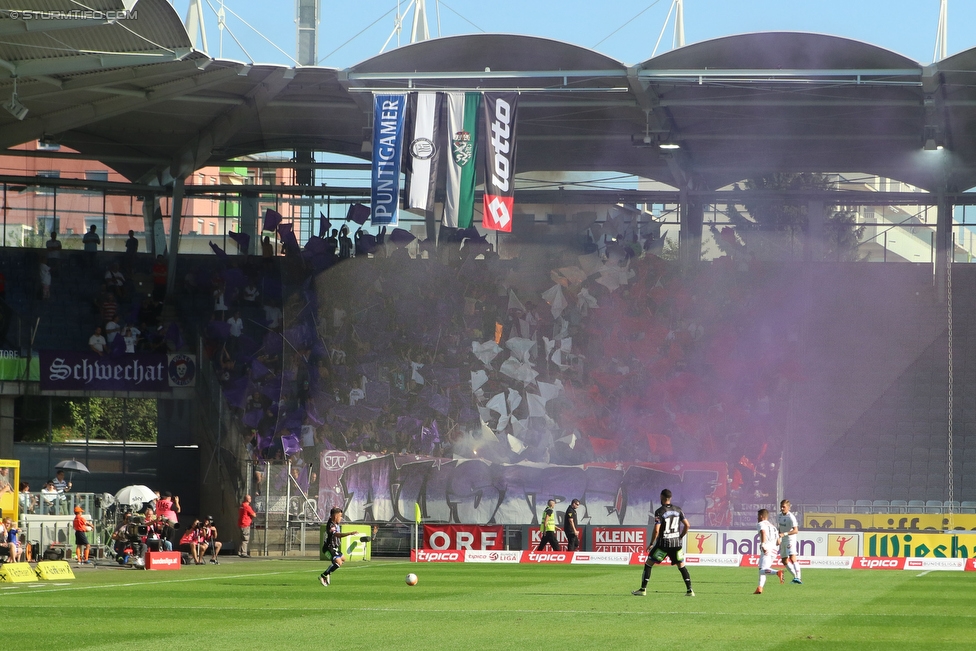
(480, 335)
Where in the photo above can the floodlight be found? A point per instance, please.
(15, 108)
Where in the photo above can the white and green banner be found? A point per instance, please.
(462, 135)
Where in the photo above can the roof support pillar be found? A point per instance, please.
(943, 242)
(249, 220)
(690, 233)
(174, 234)
(816, 231)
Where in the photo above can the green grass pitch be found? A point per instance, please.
(279, 604)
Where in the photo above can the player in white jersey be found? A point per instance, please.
(768, 537)
(787, 540)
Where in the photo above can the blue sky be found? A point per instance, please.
(624, 30)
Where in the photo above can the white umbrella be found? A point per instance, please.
(135, 495)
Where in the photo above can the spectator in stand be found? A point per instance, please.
(61, 486)
(131, 249)
(115, 280)
(45, 274)
(28, 501)
(97, 342)
(108, 307)
(112, 329)
(53, 247)
(220, 304)
(159, 274)
(267, 250)
(244, 519)
(131, 340)
(236, 330)
(251, 294)
(345, 244)
(49, 499)
(91, 241)
(272, 316)
(5, 552)
(14, 548)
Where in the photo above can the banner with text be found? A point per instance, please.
(460, 536)
(499, 199)
(71, 370)
(388, 113)
(893, 521)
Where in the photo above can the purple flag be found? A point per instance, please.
(290, 444)
(219, 251)
(243, 241)
(358, 213)
(324, 225)
(271, 220)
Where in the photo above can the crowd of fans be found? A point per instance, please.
(603, 353)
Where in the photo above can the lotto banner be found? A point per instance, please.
(891, 521)
(499, 199)
(459, 536)
(388, 113)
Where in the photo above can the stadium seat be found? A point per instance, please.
(933, 506)
(845, 506)
(916, 506)
(899, 506)
(881, 506)
(967, 507)
(952, 506)
(862, 506)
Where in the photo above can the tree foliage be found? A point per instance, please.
(774, 226)
(114, 419)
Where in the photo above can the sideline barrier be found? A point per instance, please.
(17, 573)
(54, 570)
(694, 560)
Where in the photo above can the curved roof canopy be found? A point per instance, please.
(133, 94)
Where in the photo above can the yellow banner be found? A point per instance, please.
(54, 570)
(891, 521)
(17, 573)
(843, 544)
(931, 545)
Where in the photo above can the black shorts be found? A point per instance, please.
(81, 539)
(658, 554)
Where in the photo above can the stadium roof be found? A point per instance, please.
(134, 94)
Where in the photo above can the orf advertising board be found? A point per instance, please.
(460, 536)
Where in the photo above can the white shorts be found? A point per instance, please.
(766, 561)
(787, 546)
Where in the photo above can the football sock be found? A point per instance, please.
(796, 569)
(332, 568)
(685, 576)
(646, 576)
(789, 567)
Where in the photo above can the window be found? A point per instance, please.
(46, 224)
(96, 175)
(47, 174)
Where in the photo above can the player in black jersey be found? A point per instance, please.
(670, 528)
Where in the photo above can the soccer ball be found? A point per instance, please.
(411, 579)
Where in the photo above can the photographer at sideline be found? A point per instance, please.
(131, 534)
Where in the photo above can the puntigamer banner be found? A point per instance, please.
(70, 370)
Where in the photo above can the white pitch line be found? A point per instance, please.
(923, 573)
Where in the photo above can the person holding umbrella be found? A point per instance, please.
(62, 487)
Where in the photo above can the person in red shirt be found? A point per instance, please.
(81, 526)
(244, 518)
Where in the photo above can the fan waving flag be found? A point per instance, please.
(388, 112)
(500, 109)
(424, 150)
(462, 136)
